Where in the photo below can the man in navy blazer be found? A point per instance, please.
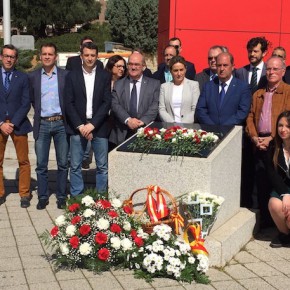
(14, 107)
(46, 91)
(224, 106)
(87, 104)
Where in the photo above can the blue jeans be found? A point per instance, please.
(78, 146)
(48, 130)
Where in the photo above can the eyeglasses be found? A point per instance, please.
(275, 69)
(9, 56)
(119, 66)
(134, 64)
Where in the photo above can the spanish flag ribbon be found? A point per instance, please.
(157, 209)
(178, 221)
(196, 245)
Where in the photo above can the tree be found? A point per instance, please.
(134, 23)
(35, 15)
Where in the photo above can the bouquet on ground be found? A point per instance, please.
(166, 255)
(94, 233)
(201, 208)
(177, 140)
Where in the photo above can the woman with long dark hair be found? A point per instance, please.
(116, 65)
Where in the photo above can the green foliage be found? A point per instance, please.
(134, 23)
(24, 59)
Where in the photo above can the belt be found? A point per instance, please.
(52, 118)
(264, 134)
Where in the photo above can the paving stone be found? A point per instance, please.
(121, 272)
(162, 282)
(7, 232)
(262, 269)
(280, 282)
(166, 288)
(230, 285)
(5, 224)
(256, 284)
(69, 275)
(217, 275)
(199, 287)
(8, 241)
(27, 240)
(45, 286)
(107, 275)
(128, 282)
(25, 231)
(12, 278)
(8, 252)
(11, 264)
(101, 283)
(35, 262)
(78, 284)
(281, 266)
(245, 257)
(31, 250)
(18, 287)
(239, 272)
(41, 275)
(265, 254)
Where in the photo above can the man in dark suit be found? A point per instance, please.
(135, 100)
(46, 91)
(75, 62)
(226, 100)
(87, 104)
(255, 72)
(14, 107)
(210, 73)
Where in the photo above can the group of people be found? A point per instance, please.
(89, 104)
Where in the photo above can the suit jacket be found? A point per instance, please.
(147, 106)
(75, 62)
(235, 106)
(243, 74)
(286, 77)
(16, 102)
(280, 103)
(202, 77)
(35, 95)
(75, 101)
(159, 74)
(190, 96)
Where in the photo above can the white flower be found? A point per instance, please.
(173, 140)
(162, 130)
(140, 132)
(115, 243)
(88, 200)
(203, 263)
(126, 244)
(85, 249)
(60, 221)
(116, 203)
(103, 224)
(126, 226)
(64, 249)
(70, 230)
(191, 260)
(157, 136)
(88, 213)
(137, 266)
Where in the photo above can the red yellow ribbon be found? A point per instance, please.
(178, 221)
(196, 245)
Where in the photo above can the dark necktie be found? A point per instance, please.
(254, 85)
(222, 93)
(133, 101)
(7, 80)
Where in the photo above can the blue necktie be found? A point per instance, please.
(254, 78)
(133, 101)
(222, 93)
(7, 80)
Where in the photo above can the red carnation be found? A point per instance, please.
(104, 203)
(85, 229)
(101, 238)
(103, 254)
(74, 207)
(133, 234)
(74, 242)
(54, 231)
(127, 209)
(76, 220)
(139, 241)
(115, 228)
(113, 214)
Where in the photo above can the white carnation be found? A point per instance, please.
(85, 249)
(88, 200)
(126, 226)
(70, 230)
(103, 224)
(88, 213)
(60, 221)
(116, 203)
(115, 243)
(126, 244)
(64, 249)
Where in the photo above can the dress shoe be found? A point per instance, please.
(25, 201)
(281, 240)
(42, 203)
(2, 199)
(61, 203)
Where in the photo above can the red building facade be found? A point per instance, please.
(203, 23)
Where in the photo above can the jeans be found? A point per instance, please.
(78, 146)
(48, 130)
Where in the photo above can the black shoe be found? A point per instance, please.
(61, 203)
(86, 165)
(42, 203)
(281, 240)
(2, 199)
(25, 201)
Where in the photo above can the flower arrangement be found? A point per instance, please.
(201, 208)
(93, 233)
(177, 140)
(166, 255)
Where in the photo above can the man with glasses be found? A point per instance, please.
(14, 107)
(135, 100)
(267, 104)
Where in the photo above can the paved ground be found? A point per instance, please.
(24, 264)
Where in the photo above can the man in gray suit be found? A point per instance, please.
(135, 100)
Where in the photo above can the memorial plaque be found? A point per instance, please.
(23, 41)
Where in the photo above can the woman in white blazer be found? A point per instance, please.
(178, 98)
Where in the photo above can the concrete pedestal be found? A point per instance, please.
(218, 174)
